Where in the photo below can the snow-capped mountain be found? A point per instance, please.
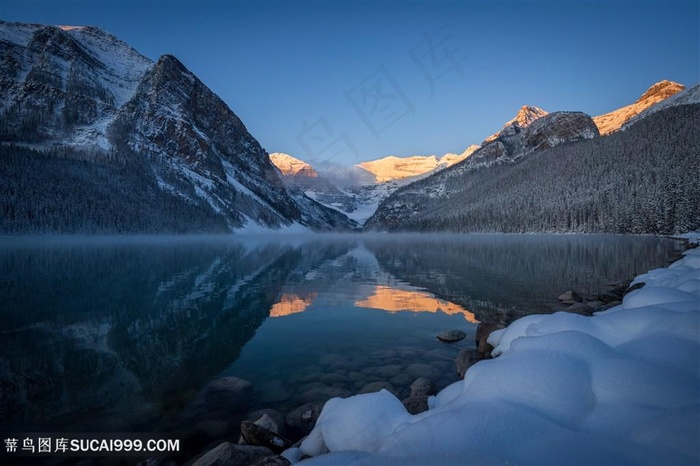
(357, 191)
(300, 177)
(290, 166)
(557, 175)
(166, 143)
(396, 168)
(613, 121)
(688, 96)
(525, 116)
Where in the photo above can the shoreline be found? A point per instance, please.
(294, 454)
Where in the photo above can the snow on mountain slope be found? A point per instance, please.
(290, 166)
(395, 168)
(83, 94)
(688, 96)
(76, 77)
(525, 116)
(613, 121)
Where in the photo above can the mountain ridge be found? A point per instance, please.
(616, 119)
(80, 93)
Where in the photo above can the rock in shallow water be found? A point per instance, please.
(228, 454)
(377, 386)
(423, 370)
(273, 461)
(450, 336)
(228, 393)
(273, 391)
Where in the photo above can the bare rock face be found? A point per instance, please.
(660, 91)
(524, 118)
(89, 96)
(559, 128)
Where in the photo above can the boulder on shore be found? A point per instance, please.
(570, 297)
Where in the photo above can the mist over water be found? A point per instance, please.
(123, 333)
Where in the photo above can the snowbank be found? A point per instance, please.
(621, 387)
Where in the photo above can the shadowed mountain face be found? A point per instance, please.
(556, 175)
(80, 94)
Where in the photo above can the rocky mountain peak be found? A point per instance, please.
(559, 128)
(87, 95)
(527, 114)
(524, 118)
(613, 121)
(660, 91)
(290, 166)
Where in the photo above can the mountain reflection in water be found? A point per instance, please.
(121, 333)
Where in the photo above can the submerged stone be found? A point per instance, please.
(228, 454)
(450, 336)
(228, 393)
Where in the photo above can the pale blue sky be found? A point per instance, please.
(347, 82)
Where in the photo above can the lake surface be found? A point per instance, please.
(123, 334)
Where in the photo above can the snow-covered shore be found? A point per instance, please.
(621, 387)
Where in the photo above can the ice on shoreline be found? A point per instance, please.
(621, 387)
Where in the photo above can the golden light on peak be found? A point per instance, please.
(291, 304)
(395, 300)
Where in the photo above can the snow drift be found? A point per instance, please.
(621, 387)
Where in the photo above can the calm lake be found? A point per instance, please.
(123, 334)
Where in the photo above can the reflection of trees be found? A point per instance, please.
(115, 328)
(496, 275)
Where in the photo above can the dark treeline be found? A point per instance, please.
(62, 191)
(641, 180)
